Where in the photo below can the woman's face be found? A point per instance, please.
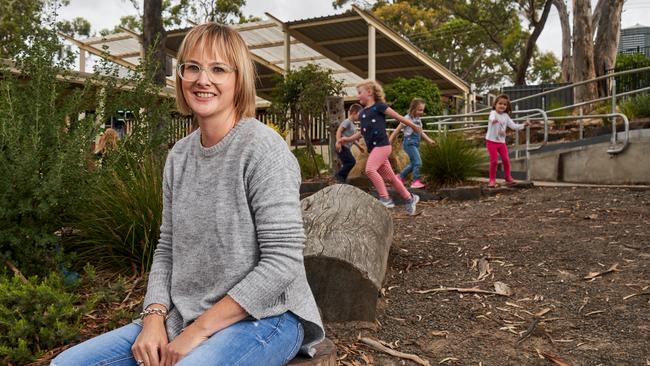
(419, 111)
(365, 95)
(207, 99)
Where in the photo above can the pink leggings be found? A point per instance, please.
(378, 167)
(495, 149)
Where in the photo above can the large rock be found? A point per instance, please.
(349, 234)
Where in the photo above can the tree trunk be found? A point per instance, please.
(606, 46)
(583, 51)
(154, 45)
(305, 123)
(567, 64)
(349, 234)
(154, 37)
(527, 53)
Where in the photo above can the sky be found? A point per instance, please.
(106, 14)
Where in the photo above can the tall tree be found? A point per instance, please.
(583, 50)
(537, 25)
(567, 62)
(608, 27)
(154, 37)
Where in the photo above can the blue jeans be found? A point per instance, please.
(347, 163)
(269, 341)
(413, 151)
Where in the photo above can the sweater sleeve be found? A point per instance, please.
(158, 288)
(274, 200)
(515, 126)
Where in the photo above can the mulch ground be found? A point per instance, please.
(542, 243)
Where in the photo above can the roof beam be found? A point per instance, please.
(249, 27)
(110, 39)
(128, 54)
(269, 44)
(416, 52)
(345, 40)
(108, 56)
(402, 69)
(381, 54)
(326, 22)
(300, 59)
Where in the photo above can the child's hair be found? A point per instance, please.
(415, 103)
(107, 141)
(377, 90)
(355, 108)
(229, 44)
(507, 99)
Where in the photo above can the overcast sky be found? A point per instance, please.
(107, 13)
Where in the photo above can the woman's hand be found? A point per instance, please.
(149, 348)
(182, 345)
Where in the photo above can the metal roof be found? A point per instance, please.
(337, 42)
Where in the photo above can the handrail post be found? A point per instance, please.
(613, 84)
(582, 124)
(527, 151)
(516, 137)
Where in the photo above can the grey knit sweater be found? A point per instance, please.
(232, 225)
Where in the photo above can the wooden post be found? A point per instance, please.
(335, 115)
(82, 60)
(372, 52)
(287, 51)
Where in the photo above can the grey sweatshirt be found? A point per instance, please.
(232, 224)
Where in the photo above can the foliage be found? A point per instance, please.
(401, 91)
(19, 19)
(301, 95)
(453, 160)
(561, 113)
(176, 13)
(37, 315)
(545, 69)
(120, 225)
(637, 106)
(281, 131)
(75, 27)
(46, 146)
(635, 80)
(307, 168)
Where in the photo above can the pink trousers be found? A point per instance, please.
(494, 150)
(378, 170)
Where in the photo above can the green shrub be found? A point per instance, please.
(35, 316)
(401, 91)
(44, 150)
(637, 106)
(453, 160)
(307, 168)
(120, 223)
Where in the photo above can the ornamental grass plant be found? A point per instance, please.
(451, 161)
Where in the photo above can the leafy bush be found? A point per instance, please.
(45, 148)
(120, 223)
(632, 81)
(401, 92)
(637, 106)
(37, 315)
(307, 168)
(453, 160)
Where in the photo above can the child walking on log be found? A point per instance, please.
(373, 130)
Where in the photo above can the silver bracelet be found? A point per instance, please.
(157, 311)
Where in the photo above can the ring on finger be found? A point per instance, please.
(139, 362)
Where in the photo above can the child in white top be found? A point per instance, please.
(499, 121)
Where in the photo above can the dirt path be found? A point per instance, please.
(541, 242)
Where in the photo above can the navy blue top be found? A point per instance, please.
(373, 126)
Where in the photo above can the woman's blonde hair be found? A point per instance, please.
(377, 90)
(414, 105)
(229, 44)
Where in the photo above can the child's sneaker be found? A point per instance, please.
(417, 184)
(412, 203)
(387, 202)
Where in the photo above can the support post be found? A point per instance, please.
(335, 115)
(287, 51)
(82, 60)
(372, 52)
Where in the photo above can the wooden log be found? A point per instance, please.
(325, 356)
(349, 234)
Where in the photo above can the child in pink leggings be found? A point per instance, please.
(495, 137)
(373, 130)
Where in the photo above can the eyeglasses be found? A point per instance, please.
(217, 72)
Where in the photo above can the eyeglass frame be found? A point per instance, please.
(228, 69)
